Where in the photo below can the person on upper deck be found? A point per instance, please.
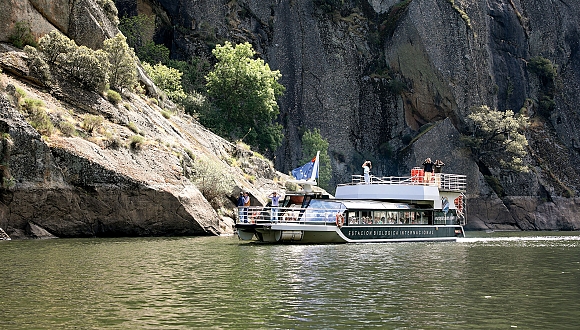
(438, 168)
(428, 169)
(367, 171)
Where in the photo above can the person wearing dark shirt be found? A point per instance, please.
(428, 169)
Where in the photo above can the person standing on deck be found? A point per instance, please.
(367, 171)
(246, 204)
(240, 210)
(428, 168)
(438, 168)
(275, 203)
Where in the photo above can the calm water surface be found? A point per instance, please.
(493, 281)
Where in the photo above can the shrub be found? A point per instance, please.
(113, 96)
(212, 179)
(112, 142)
(89, 67)
(37, 65)
(22, 35)
(166, 114)
(56, 47)
(28, 105)
(67, 128)
(122, 68)
(110, 10)
(92, 122)
(136, 142)
(168, 79)
(133, 127)
(39, 119)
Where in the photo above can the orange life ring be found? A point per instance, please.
(339, 220)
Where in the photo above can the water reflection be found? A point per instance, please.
(183, 283)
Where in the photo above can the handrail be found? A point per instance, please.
(298, 215)
(445, 181)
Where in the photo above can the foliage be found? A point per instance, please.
(67, 128)
(89, 67)
(92, 122)
(498, 135)
(194, 72)
(168, 79)
(6, 146)
(166, 114)
(22, 35)
(212, 179)
(37, 65)
(154, 53)
(544, 68)
(40, 120)
(122, 64)
(113, 96)
(547, 73)
(136, 142)
(244, 90)
(110, 9)
(139, 31)
(495, 185)
(133, 127)
(56, 47)
(312, 141)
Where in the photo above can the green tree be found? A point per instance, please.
(89, 67)
(22, 35)
(497, 136)
(122, 65)
(139, 31)
(244, 92)
(312, 142)
(56, 47)
(168, 79)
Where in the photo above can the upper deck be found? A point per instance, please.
(411, 188)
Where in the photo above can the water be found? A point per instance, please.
(494, 281)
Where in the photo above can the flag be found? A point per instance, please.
(304, 172)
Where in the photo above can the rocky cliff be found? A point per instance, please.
(375, 75)
(391, 81)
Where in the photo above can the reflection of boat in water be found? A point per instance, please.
(388, 209)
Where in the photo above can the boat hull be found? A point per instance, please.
(316, 234)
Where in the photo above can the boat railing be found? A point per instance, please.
(445, 181)
(294, 215)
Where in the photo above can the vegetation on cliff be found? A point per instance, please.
(497, 139)
(244, 91)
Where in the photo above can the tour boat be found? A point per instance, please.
(386, 209)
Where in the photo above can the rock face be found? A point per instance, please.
(94, 184)
(374, 76)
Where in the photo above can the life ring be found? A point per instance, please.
(339, 220)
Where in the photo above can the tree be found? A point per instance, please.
(497, 136)
(168, 79)
(312, 142)
(89, 67)
(56, 47)
(122, 67)
(244, 92)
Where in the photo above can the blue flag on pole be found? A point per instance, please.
(304, 172)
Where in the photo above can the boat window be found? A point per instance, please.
(392, 217)
(323, 210)
(380, 217)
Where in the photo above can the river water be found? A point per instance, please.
(485, 281)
